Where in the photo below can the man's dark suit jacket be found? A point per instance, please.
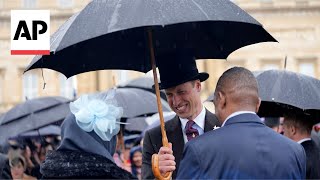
(244, 148)
(153, 142)
(313, 159)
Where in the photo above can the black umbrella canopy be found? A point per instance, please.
(44, 131)
(36, 120)
(143, 122)
(31, 106)
(112, 34)
(144, 83)
(136, 124)
(289, 88)
(153, 121)
(1, 118)
(136, 102)
(141, 82)
(284, 91)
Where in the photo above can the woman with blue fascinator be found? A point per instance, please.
(88, 141)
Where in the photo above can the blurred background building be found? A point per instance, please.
(294, 23)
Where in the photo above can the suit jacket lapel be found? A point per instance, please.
(210, 121)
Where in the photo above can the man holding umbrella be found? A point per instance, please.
(182, 83)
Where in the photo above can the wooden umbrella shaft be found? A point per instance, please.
(156, 84)
(155, 157)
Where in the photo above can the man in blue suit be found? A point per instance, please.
(243, 147)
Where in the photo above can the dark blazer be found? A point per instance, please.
(243, 149)
(313, 159)
(152, 142)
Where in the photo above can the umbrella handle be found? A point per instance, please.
(155, 157)
(156, 171)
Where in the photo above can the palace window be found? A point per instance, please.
(68, 87)
(269, 66)
(65, 3)
(29, 3)
(307, 68)
(30, 85)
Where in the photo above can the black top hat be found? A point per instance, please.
(177, 68)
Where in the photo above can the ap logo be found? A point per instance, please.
(30, 32)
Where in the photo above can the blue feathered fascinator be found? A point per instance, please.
(98, 112)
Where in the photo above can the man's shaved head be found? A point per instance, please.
(240, 86)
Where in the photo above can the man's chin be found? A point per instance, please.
(184, 116)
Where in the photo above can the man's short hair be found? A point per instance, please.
(238, 77)
(300, 121)
(272, 121)
(241, 82)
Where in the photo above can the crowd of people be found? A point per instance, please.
(22, 157)
(230, 144)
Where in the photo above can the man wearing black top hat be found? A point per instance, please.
(181, 81)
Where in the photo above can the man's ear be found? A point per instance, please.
(198, 85)
(258, 105)
(292, 130)
(222, 101)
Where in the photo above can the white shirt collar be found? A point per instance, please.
(235, 114)
(199, 120)
(303, 140)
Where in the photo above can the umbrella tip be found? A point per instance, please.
(44, 81)
(285, 63)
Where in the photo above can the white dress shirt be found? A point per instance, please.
(199, 124)
(303, 140)
(236, 114)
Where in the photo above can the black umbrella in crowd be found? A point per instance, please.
(31, 106)
(33, 114)
(137, 102)
(285, 91)
(50, 130)
(153, 121)
(130, 35)
(144, 83)
(142, 123)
